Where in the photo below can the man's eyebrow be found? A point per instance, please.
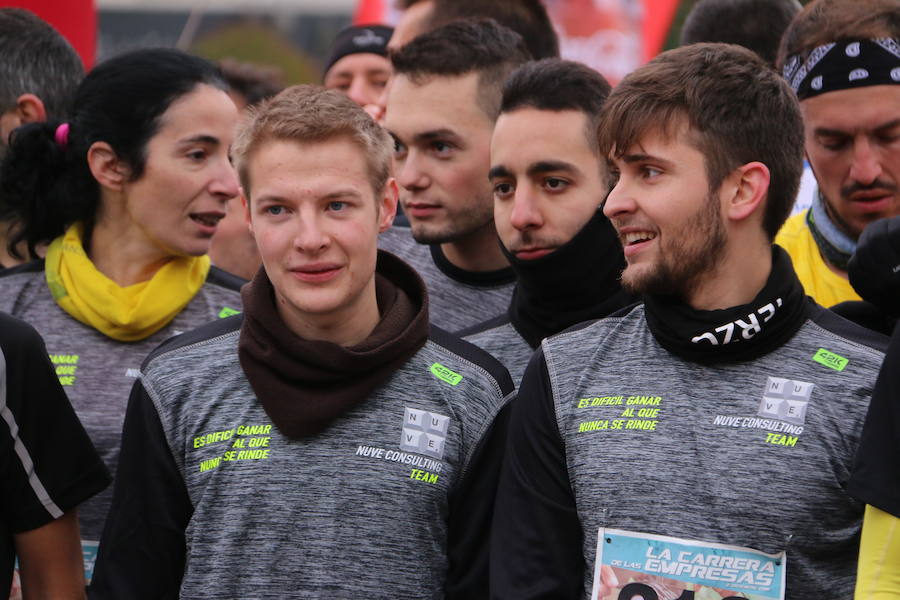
(888, 125)
(499, 171)
(826, 132)
(270, 198)
(548, 166)
(201, 138)
(428, 136)
(636, 158)
(342, 193)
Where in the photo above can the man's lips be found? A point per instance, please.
(532, 252)
(315, 272)
(420, 209)
(635, 239)
(870, 195)
(872, 201)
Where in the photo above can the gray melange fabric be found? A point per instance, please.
(713, 468)
(452, 304)
(507, 346)
(97, 372)
(339, 515)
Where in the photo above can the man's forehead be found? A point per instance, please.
(853, 110)
(635, 137)
(407, 87)
(440, 103)
(361, 62)
(527, 137)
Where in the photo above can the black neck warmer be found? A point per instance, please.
(734, 334)
(578, 281)
(475, 278)
(304, 385)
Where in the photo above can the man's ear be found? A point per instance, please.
(30, 109)
(388, 205)
(746, 190)
(106, 167)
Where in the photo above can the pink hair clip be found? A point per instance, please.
(62, 135)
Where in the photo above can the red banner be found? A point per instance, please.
(76, 20)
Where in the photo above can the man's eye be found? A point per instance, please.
(197, 155)
(275, 210)
(399, 149)
(833, 143)
(441, 148)
(503, 189)
(650, 172)
(336, 205)
(555, 184)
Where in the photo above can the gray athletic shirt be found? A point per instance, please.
(375, 506)
(96, 371)
(611, 430)
(501, 339)
(457, 299)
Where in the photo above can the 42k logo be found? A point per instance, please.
(739, 328)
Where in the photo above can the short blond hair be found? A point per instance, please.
(309, 114)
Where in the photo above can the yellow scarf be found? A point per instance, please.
(127, 314)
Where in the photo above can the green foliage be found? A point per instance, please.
(261, 45)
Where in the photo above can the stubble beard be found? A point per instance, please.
(683, 262)
(456, 225)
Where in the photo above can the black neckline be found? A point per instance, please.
(476, 278)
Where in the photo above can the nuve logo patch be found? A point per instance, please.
(786, 400)
(424, 432)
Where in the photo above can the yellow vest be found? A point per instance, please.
(824, 285)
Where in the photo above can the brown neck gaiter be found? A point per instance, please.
(304, 385)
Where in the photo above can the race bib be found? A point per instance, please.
(638, 566)
(89, 552)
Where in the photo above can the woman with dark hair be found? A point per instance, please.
(127, 194)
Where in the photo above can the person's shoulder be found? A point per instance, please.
(223, 279)
(633, 313)
(470, 354)
(13, 279)
(399, 241)
(486, 328)
(866, 314)
(17, 336)
(852, 333)
(205, 342)
(35, 266)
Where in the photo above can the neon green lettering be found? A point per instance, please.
(227, 311)
(445, 374)
(64, 359)
(830, 359)
(212, 463)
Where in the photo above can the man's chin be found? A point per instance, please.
(646, 281)
(424, 234)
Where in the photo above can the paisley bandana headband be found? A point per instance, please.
(844, 65)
